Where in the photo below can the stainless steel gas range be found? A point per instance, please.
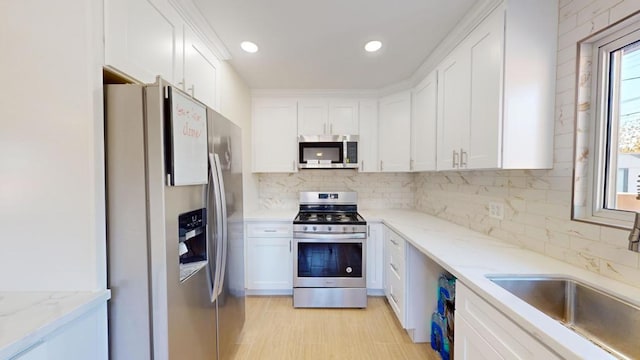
(329, 248)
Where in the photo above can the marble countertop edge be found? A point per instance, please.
(27, 318)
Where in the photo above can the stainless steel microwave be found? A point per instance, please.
(328, 152)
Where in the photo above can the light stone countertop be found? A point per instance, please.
(470, 256)
(27, 318)
(271, 215)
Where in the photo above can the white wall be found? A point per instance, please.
(538, 203)
(52, 222)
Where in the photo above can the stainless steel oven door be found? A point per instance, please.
(329, 260)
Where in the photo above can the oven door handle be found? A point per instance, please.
(315, 236)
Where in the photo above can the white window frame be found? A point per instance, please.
(602, 45)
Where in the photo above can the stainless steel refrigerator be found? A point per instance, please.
(175, 251)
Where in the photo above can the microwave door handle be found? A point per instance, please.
(223, 221)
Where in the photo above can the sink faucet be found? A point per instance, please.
(634, 236)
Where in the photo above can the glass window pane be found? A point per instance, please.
(624, 125)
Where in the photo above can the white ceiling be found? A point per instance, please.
(318, 44)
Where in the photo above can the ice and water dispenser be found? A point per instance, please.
(192, 245)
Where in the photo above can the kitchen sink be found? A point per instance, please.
(606, 320)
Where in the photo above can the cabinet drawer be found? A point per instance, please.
(263, 230)
(396, 294)
(396, 265)
(396, 246)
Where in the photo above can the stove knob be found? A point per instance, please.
(344, 229)
(353, 229)
(329, 228)
(304, 228)
(315, 228)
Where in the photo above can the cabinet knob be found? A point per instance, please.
(381, 167)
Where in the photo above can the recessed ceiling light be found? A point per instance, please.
(373, 46)
(249, 47)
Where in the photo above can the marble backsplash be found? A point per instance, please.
(375, 190)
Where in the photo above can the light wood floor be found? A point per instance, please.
(275, 330)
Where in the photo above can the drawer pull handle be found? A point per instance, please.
(394, 242)
(270, 230)
(394, 267)
(394, 298)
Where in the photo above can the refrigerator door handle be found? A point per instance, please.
(210, 241)
(225, 239)
(217, 241)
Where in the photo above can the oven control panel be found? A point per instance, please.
(330, 229)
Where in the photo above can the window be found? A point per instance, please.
(610, 105)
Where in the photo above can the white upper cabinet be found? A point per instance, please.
(394, 132)
(343, 117)
(200, 70)
(147, 38)
(496, 92)
(368, 142)
(328, 117)
(275, 140)
(313, 116)
(481, 148)
(423, 124)
(143, 39)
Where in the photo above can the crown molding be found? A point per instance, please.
(460, 31)
(315, 93)
(194, 18)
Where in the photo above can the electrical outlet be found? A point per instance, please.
(496, 210)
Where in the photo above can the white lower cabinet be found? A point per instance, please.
(35, 352)
(269, 260)
(80, 339)
(482, 332)
(375, 259)
(410, 283)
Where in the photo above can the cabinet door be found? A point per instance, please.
(485, 124)
(91, 328)
(200, 70)
(395, 132)
(423, 124)
(453, 107)
(269, 264)
(343, 117)
(469, 345)
(313, 116)
(35, 352)
(368, 141)
(274, 135)
(375, 259)
(143, 39)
